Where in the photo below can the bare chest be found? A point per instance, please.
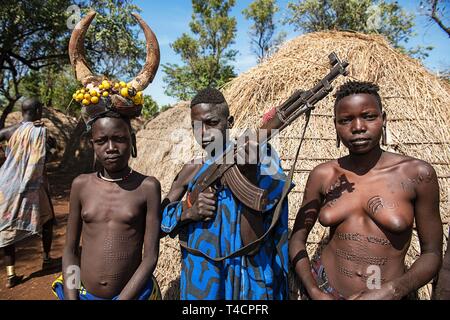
(370, 200)
(110, 203)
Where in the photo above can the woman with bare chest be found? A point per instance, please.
(370, 200)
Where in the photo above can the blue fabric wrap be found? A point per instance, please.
(262, 276)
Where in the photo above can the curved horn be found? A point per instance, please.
(146, 75)
(76, 50)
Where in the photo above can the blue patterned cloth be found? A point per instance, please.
(262, 276)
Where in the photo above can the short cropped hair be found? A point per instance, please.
(212, 96)
(31, 105)
(355, 87)
(208, 95)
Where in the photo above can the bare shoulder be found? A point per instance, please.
(152, 184)
(413, 167)
(324, 170)
(321, 176)
(187, 172)
(82, 180)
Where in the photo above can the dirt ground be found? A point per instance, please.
(36, 284)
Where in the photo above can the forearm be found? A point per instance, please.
(71, 265)
(302, 266)
(423, 270)
(443, 283)
(174, 216)
(139, 279)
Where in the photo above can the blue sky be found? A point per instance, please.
(170, 18)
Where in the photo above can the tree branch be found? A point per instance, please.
(29, 62)
(436, 18)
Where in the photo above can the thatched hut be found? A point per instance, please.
(416, 102)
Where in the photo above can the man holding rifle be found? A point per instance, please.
(214, 224)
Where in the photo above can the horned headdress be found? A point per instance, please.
(101, 95)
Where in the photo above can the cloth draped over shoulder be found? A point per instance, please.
(261, 276)
(22, 198)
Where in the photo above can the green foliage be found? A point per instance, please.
(205, 57)
(262, 13)
(112, 44)
(53, 86)
(366, 16)
(34, 35)
(150, 107)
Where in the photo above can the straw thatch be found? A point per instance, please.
(59, 126)
(415, 101)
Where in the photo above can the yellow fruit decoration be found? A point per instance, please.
(106, 84)
(116, 86)
(80, 97)
(101, 87)
(124, 92)
(74, 96)
(139, 94)
(129, 85)
(86, 102)
(105, 94)
(87, 96)
(93, 93)
(94, 100)
(82, 91)
(123, 84)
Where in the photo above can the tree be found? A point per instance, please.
(366, 16)
(112, 43)
(150, 107)
(206, 56)
(33, 36)
(262, 13)
(54, 85)
(436, 14)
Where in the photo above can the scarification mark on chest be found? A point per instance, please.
(335, 191)
(410, 183)
(377, 203)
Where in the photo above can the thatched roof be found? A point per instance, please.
(415, 100)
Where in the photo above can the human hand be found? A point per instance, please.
(204, 208)
(385, 292)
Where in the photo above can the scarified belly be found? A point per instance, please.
(357, 262)
(107, 266)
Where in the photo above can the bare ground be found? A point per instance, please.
(36, 284)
